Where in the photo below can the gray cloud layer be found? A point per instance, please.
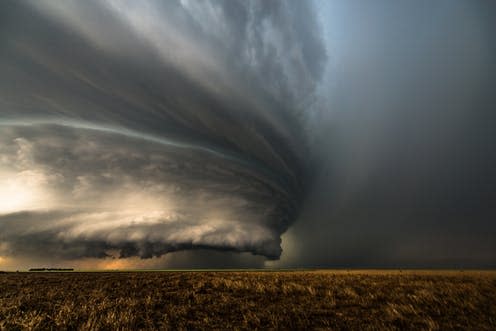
(408, 168)
(134, 129)
(98, 191)
(154, 127)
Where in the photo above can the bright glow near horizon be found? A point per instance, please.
(15, 196)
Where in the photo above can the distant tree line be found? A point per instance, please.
(51, 269)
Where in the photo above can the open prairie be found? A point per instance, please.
(357, 300)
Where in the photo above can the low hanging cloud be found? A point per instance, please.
(90, 191)
(153, 127)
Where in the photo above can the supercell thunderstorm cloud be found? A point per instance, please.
(152, 127)
(257, 133)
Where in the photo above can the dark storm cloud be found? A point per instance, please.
(408, 170)
(203, 128)
(143, 197)
(153, 127)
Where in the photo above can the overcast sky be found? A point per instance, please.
(247, 134)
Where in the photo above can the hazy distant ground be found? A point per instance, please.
(360, 300)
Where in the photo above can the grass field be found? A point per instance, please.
(357, 300)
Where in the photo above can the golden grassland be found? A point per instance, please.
(356, 300)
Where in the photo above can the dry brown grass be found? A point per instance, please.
(357, 300)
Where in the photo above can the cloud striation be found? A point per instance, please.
(153, 127)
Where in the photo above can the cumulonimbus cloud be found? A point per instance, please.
(153, 127)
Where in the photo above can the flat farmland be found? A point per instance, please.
(324, 299)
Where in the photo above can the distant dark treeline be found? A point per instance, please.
(51, 269)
